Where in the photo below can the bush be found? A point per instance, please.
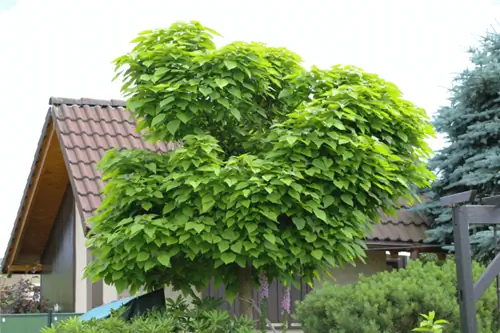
(22, 297)
(178, 317)
(393, 301)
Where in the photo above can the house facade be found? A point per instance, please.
(64, 189)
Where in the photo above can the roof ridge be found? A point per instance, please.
(87, 101)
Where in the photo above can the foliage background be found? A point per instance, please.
(472, 159)
(392, 302)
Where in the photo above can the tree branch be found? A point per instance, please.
(251, 301)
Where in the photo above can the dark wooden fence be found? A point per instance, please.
(276, 291)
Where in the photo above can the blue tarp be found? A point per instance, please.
(104, 311)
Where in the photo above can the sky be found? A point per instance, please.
(64, 48)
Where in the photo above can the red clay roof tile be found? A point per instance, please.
(87, 129)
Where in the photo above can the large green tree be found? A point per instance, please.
(471, 123)
(281, 170)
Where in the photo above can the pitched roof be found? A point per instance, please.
(87, 128)
(406, 227)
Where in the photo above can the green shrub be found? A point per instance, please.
(430, 324)
(178, 317)
(392, 302)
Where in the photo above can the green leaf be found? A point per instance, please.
(223, 246)
(311, 238)
(284, 93)
(299, 222)
(164, 259)
(151, 167)
(142, 256)
(198, 227)
(320, 214)
(149, 265)
(228, 257)
(381, 148)
(158, 119)
(338, 124)
(236, 247)
(224, 102)
(135, 228)
(236, 113)
(347, 198)
(235, 91)
(403, 136)
(168, 207)
(146, 205)
(206, 90)
(317, 254)
(167, 101)
(230, 64)
(183, 117)
(160, 71)
(271, 239)
(328, 200)
(207, 202)
(251, 227)
(221, 83)
(173, 126)
(291, 139)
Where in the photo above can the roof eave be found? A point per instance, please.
(46, 125)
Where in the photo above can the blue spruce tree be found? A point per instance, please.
(471, 122)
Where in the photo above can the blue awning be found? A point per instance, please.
(104, 311)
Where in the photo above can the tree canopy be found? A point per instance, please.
(471, 123)
(279, 171)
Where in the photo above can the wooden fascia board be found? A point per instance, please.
(24, 269)
(379, 245)
(32, 194)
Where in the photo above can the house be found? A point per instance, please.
(63, 191)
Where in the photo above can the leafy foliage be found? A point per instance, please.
(431, 325)
(22, 297)
(279, 169)
(392, 302)
(472, 159)
(179, 317)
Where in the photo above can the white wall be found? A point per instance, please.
(376, 261)
(5, 281)
(81, 284)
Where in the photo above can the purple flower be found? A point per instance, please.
(285, 303)
(264, 286)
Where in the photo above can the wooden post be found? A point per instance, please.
(394, 254)
(414, 254)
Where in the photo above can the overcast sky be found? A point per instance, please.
(64, 48)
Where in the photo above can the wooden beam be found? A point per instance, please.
(25, 268)
(481, 214)
(494, 200)
(458, 198)
(31, 195)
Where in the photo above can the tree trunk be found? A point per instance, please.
(246, 291)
